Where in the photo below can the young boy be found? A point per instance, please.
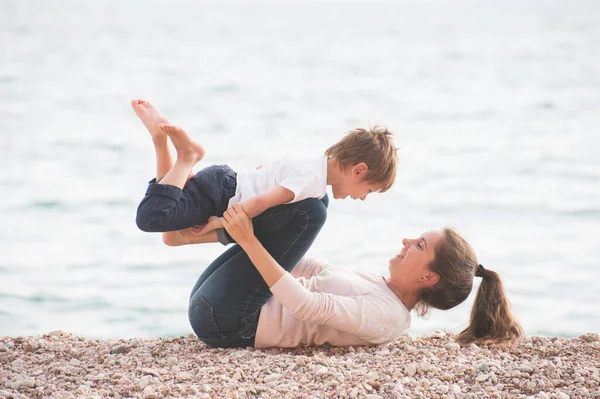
(362, 162)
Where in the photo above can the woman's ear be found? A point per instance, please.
(431, 279)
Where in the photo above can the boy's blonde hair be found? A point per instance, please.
(375, 147)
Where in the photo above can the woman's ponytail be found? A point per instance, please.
(491, 319)
(492, 322)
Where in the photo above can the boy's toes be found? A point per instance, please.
(165, 127)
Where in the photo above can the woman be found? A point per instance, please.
(232, 303)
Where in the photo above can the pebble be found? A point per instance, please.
(272, 377)
(149, 393)
(117, 349)
(149, 371)
(452, 346)
(184, 376)
(526, 369)
(172, 360)
(29, 348)
(398, 387)
(425, 366)
(28, 383)
(68, 367)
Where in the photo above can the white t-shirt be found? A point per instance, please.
(306, 178)
(317, 303)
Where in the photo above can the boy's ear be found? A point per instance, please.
(360, 169)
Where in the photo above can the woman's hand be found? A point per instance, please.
(238, 224)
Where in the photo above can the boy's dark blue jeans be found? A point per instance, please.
(168, 208)
(226, 301)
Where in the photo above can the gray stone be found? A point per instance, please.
(117, 349)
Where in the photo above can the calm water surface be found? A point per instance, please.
(495, 107)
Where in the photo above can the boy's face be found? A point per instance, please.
(354, 185)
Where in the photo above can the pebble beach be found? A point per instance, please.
(60, 365)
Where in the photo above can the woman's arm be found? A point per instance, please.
(239, 226)
(340, 312)
(366, 316)
(307, 267)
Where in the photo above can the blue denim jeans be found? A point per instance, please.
(168, 208)
(226, 301)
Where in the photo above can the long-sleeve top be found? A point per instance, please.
(319, 303)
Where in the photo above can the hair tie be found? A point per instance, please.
(480, 271)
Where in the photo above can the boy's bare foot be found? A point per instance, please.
(187, 149)
(149, 116)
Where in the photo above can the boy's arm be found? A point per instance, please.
(254, 206)
(184, 237)
(276, 196)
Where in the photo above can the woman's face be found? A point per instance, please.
(410, 264)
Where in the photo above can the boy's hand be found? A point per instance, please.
(195, 230)
(214, 223)
(189, 178)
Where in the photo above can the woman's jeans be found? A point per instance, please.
(226, 301)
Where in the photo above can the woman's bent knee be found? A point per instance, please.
(202, 319)
(315, 209)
